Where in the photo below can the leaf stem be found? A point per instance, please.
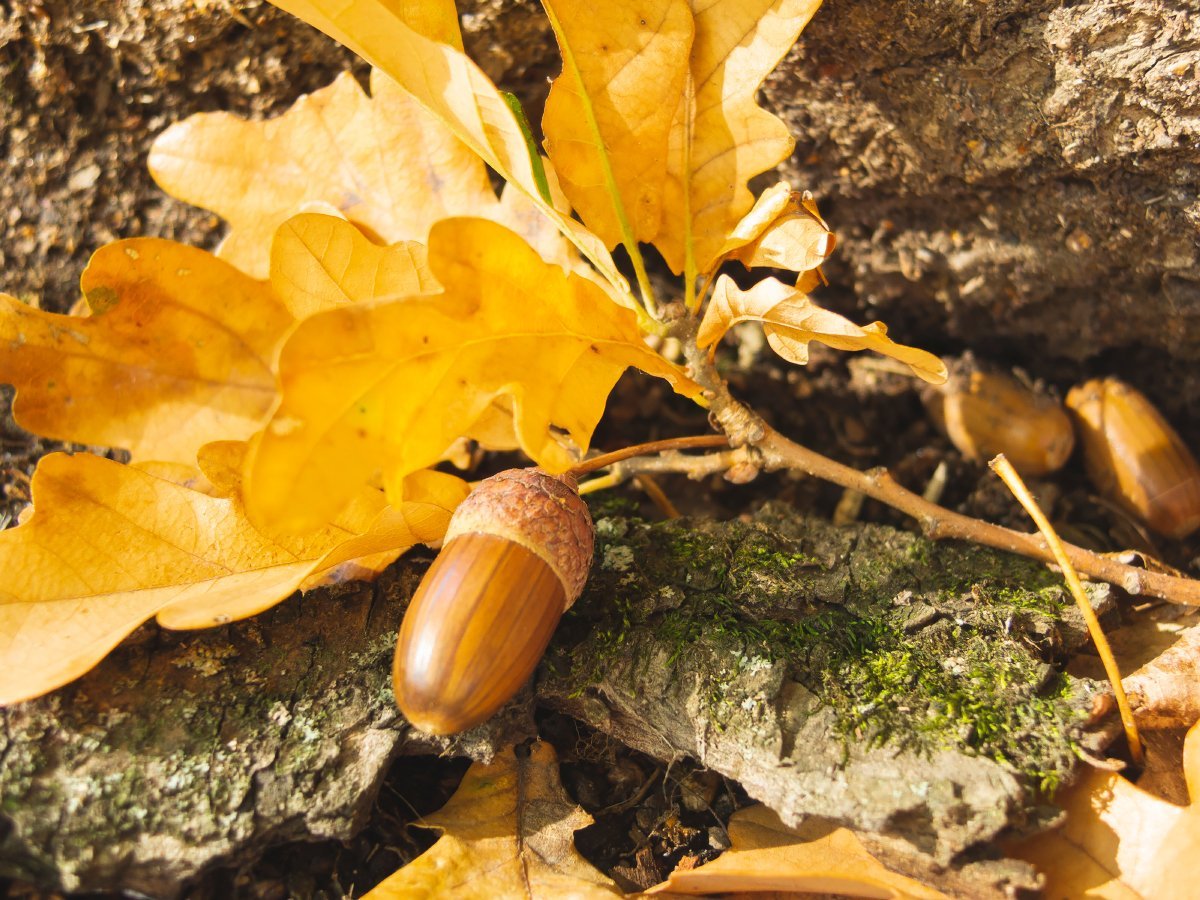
(1009, 476)
(628, 239)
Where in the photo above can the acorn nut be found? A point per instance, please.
(515, 557)
(985, 413)
(1135, 458)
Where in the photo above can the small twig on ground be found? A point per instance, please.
(1009, 476)
(745, 428)
(605, 460)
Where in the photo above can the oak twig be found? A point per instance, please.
(605, 460)
(775, 451)
(694, 467)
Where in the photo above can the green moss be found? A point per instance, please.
(965, 679)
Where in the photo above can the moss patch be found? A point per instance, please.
(906, 643)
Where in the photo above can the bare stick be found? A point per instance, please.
(775, 451)
(1009, 476)
(604, 460)
(672, 462)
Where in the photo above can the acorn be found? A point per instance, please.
(514, 559)
(1134, 457)
(986, 412)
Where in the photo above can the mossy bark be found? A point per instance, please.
(864, 675)
(860, 674)
(185, 749)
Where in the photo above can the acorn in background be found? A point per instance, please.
(1134, 457)
(514, 559)
(985, 412)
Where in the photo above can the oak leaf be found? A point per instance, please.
(177, 351)
(720, 137)
(608, 116)
(520, 214)
(1117, 841)
(455, 91)
(790, 321)
(383, 161)
(508, 832)
(784, 230)
(319, 262)
(109, 546)
(766, 855)
(387, 386)
(1165, 693)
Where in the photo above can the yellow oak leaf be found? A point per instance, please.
(1165, 692)
(720, 137)
(319, 262)
(815, 858)
(784, 230)
(1119, 842)
(790, 321)
(508, 832)
(180, 473)
(109, 546)
(435, 19)
(388, 386)
(177, 351)
(457, 92)
(609, 113)
(520, 214)
(383, 161)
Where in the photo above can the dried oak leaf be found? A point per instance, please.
(520, 214)
(1165, 693)
(508, 832)
(109, 546)
(177, 351)
(790, 321)
(784, 230)
(443, 80)
(319, 262)
(766, 855)
(384, 162)
(609, 114)
(720, 136)
(386, 387)
(1117, 841)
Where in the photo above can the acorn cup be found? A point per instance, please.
(1134, 457)
(514, 559)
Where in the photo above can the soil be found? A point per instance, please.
(1041, 224)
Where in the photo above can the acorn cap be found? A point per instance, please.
(543, 513)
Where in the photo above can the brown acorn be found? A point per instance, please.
(986, 412)
(1135, 457)
(515, 557)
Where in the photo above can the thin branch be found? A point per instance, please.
(775, 451)
(694, 467)
(604, 460)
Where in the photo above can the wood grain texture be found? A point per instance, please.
(474, 632)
